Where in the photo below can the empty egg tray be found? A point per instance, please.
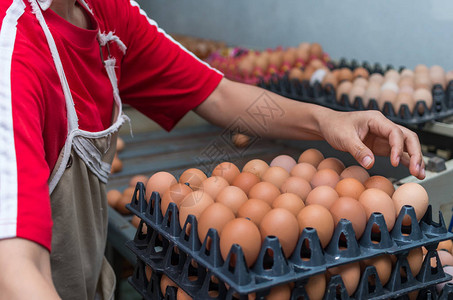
(178, 252)
(441, 108)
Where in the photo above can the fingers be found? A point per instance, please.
(414, 160)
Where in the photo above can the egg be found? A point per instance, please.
(246, 234)
(240, 140)
(164, 282)
(392, 75)
(332, 163)
(245, 181)
(331, 79)
(360, 72)
(423, 94)
(407, 73)
(383, 265)
(296, 185)
(213, 185)
(449, 76)
(420, 68)
(194, 177)
(227, 170)
(303, 170)
(404, 98)
(316, 50)
(415, 260)
(256, 166)
(113, 196)
(376, 78)
(445, 257)
(138, 178)
(350, 187)
(406, 81)
(308, 72)
(422, 81)
(279, 292)
(316, 286)
(159, 182)
(296, 74)
(289, 201)
(386, 96)
(323, 195)
(311, 156)
(445, 245)
(357, 172)
(182, 295)
(380, 182)
(265, 191)
(447, 270)
(325, 177)
(126, 198)
(318, 76)
(284, 161)
(345, 74)
(176, 193)
(373, 91)
(232, 197)
(375, 200)
(254, 209)
(275, 175)
(194, 204)
(120, 144)
(318, 217)
(214, 216)
(135, 221)
(343, 88)
(350, 274)
(360, 81)
(356, 91)
(413, 194)
(350, 209)
(283, 224)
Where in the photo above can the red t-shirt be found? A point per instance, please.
(155, 75)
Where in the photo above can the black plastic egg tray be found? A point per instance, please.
(178, 252)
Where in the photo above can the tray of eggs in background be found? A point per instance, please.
(405, 96)
(205, 233)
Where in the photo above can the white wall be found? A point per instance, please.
(404, 32)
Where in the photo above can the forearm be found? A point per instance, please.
(25, 271)
(261, 112)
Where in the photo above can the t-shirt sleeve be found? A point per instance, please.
(159, 77)
(24, 195)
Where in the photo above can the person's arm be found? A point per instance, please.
(363, 134)
(25, 271)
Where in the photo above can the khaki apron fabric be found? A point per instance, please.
(78, 193)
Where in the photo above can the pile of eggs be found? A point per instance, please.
(252, 65)
(282, 198)
(398, 88)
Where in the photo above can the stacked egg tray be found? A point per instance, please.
(177, 252)
(441, 108)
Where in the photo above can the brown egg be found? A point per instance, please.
(256, 166)
(323, 195)
(375, 200)
(120, 144)
(279, 292)
(265, 191)
(176, 193)
(245, 181)
(227, 170)
(284, 161)
(350, 274)
(360, 72)
(316, 50)
(356, 91)
(383, 265)
(303, 56)
(422, 81)
(380, 182)
(343, 88)
(308, 72)
(421, 69)
(194, 177)
(232, 197)
(445, 245)
(244, 233)
(283, 224)
(275, 60)
(117, 164)
(345, 75)
(311, 156)
(275, 175)
(164, 282)
(407, 73)
(360, 81)
(392, 75)
(449, 76)
(303, 170)
(415, 260)
(423, 94)
(373, 91)
(194, 204)
(296, 73)
(325, 177)
(386, 96)
(254, 209)
(138, 178)
(330, 78)
(406, 81)
(316, 64)
(404, 98)
(445, 257)
(376, 78)
(135, 221)
(290, 202)
(296, 185)
(182, 295)
(126, 198)
(245, 67)
(350, 209)
(214, 216)
(240, 140)
(317, 217)
(289, 57)
(413, 194)
(332, 163)
(316, 286)
(113, 196)
(357, 172)
(213, 185)
(349, 187)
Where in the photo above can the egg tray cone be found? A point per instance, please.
(441, 108)
(178, 252)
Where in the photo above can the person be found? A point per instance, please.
(66, 68)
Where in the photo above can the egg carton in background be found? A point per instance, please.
(168, 248)
(305, 91)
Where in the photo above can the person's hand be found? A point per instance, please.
(367, 133)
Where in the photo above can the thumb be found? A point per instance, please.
(361, 153)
